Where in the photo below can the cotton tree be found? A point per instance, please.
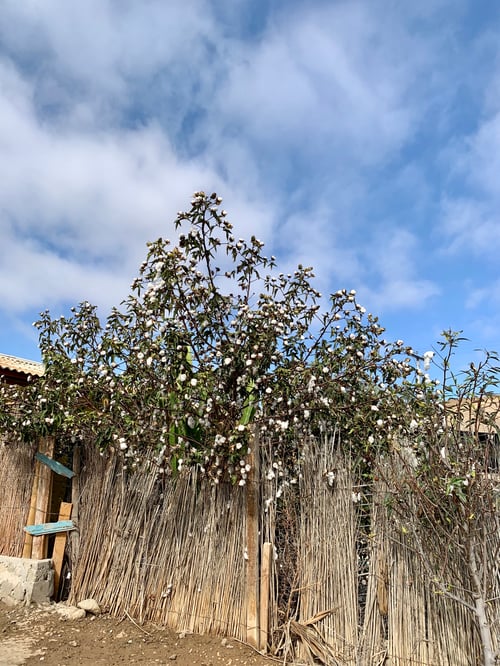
(212, 342)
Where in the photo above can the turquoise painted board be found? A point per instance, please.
(50, 528)
(55, 466)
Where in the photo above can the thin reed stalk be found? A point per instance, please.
(172, 554)
(16, 481)
(327, 559)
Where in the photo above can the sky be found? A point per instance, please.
(359, 137)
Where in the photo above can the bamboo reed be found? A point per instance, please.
(172, 551)
(327, 564)
(16, 482)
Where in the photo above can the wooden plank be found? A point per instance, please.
(252, 530)
(55, 466)
(28, 539)
(50, 528)
(39, 547)
(265, 586)
(60, 545)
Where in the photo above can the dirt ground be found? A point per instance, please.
(38, 635)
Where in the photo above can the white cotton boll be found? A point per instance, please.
(194, 382)
(228, 361)
(242, 482)
(428, 356)
(330, 476)
(442, 452)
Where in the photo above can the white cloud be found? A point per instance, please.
(114, 111)
(78, 207)
(327, 78)
(392, 264)
(471, 224)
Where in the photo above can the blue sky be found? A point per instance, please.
(360, 137)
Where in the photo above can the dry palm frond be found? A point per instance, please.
(314, 643)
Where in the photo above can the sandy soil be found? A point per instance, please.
(38, 635)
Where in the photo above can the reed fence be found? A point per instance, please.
(336, 582)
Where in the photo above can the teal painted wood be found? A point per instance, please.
(50, 528)
(55, 466)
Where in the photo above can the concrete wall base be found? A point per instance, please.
(23, 581)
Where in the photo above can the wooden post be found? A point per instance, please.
(28, 539)
(265, 584)
(59, 546)
(39, 547)
(252, 525)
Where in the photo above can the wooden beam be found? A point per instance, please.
(55, 466)
(252, 529)
(265, 587)
(39, 547)
(28, 539)
(43, 529)
(60, 545)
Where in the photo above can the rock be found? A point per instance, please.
(71, 612)
(173, 657)
(90, 605)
